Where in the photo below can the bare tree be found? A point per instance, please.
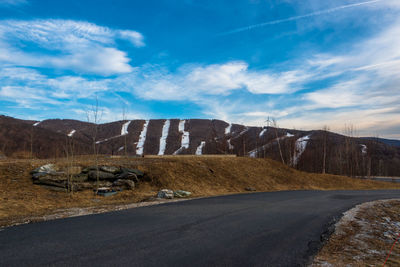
(69, 152)
(275, 124)
(94, 116)
(325, 131)
(125, 136)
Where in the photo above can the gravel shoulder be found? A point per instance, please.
(364, 236)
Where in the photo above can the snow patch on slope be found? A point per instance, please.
(71, 133)
(263, 132)
(142, 139)
(364, 149)
(185, 137)
(199, 150)
(124, 129)
(228, 129)
(164, 136)
(300, 147)
(253, 153)
(230, 146)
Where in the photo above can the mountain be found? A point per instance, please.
(390, 142)
(303, 150)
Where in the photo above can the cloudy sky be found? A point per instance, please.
(306, 63)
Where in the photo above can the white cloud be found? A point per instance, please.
(66, 44)
(194, 82)
(12, 2)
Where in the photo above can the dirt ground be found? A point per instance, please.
(22, 201)
(364, 237)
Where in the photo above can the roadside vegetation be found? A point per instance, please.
(364, 237)
(203, 176)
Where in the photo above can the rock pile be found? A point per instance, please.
(80, 179)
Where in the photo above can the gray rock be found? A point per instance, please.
(48, 168)
(126, 184)
(181, 193)
(92, 175)
(138, 173)
(80, 177)
(51, 182)
(103, 184)
(110, 169)
(166, 193)
(90, 168)
(37, 175)
(128, 176)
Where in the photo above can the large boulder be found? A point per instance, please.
(128, 176)
(126, 184)
(110, 169)
(48, 168)
(138, 173)
(166, 193)
(92, 175)
(182, 193)
(82, 177)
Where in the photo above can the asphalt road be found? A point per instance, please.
(260, 229)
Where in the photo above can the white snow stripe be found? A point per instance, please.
(228, 129)
(71, 133)
(124, 129)
(185, 137)
(364, 149)
(199, 150)
(300, 147)
(262, 132)
(142, 139)
(164, 136)
(253, 153)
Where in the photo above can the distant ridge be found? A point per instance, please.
(300, 149)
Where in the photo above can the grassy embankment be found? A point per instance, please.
(203, 176)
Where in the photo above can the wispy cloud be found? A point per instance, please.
(66, 44)
(313, 14)
(193, 82)
(8, 3)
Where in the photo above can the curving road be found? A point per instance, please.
(260, 229)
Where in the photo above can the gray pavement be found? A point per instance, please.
(259, 229)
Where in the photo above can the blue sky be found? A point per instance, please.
(306, 63)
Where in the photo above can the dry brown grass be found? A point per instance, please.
(203, 176)
(364, 237)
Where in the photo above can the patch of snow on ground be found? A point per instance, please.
(253, 153)
(124, 129)
(199, 150)
(36, 123)
(230, 146)
(185, 137)
(228, 129)
(164, 136)
(71, 133)
(300, 147)
(262, 132)
(363, 149)
(142, 139)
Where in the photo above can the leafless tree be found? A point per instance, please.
(325, 131)
(69, 152)
(275, 124)
(94, 117)
(125, 136)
